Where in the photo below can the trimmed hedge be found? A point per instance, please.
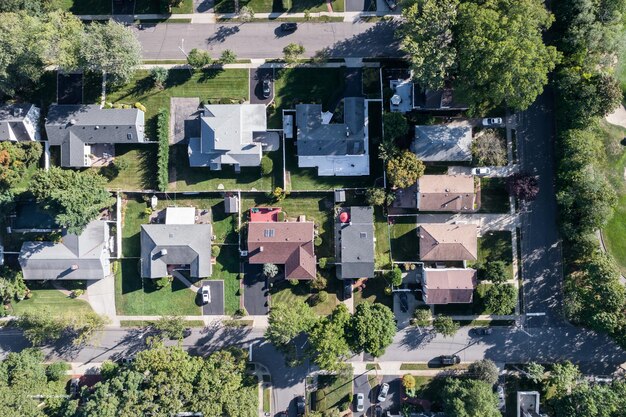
(163, 129)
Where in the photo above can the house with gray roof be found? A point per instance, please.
(76, 128)
(335, 149)
(443, 143)
(231, 134)
(84, 256)
(354, 242)
(177, 244)
(19, 122)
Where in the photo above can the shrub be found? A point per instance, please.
(375, 196)
(496, 272)
(321, 262)
(215, 251)
(321, 297)
(395, 276)
(281, 216)
(319, 283)
(159, 76)
(500, 299)
(267, 165)
(140, 106)
(292, 52)
(163, 133)
(408, 381)
(422, 317)
(228, 57)
(317, 241)
(56, 371)
(198, 58)
(270, 270)
(294, 282)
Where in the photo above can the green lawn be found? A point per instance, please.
(203, 179)
(140, 170)
(333, 391)
(227, 269)
(404, 239)
(134, 217)
(496, 246)
(211, 84)
(305, 85)
(494, 197)
(224, 225)
(136, 297)
(50, 301)
(381, 231)
(285, 293)
(154, 6)
(267, 6)
(87, 6)
(374, 292)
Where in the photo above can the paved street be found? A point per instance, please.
(265, 40)
(541, 248)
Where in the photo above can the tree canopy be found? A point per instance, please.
(469, 398)
(445, 325)
(404, 169)
(484, 370)
(286, 321)
(372, 328)
(74, 198)
(327, 339)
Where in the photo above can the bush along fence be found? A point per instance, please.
(163, 129)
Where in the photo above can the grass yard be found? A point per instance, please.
(227, 269)
(285, 293)
(614, 165)
(305, 85)
(139, 169)
(404, 239)
(136, 297)
(154, 6)
(134, 217)
(203, 179)
(209, 85)
(224, 225)
(86, 6)
(381, 232)
(496, 246)
(494, 197)
(371, 83)
(333, 391)
(50, 301)
(374, 292)
(268, 6)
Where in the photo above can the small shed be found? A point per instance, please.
(340, 196)
(231, 204)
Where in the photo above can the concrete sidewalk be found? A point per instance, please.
(393, 369)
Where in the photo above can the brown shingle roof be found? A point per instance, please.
(286, 243)
(444, 286)
(446, 193)
(448, 242)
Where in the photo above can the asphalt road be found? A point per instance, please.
(542, 268)
(265, 40)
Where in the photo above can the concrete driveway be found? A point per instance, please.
(216, 306)
(360, 5)
(256, 85)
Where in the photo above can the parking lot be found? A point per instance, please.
(216, 306)
(392, 403)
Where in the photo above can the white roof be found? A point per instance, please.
(180, 215)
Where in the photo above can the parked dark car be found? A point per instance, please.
(74, 387)
(300, 405)
(404, 302)
(347, 289)
(187, 332)
(391, 4)
(289, 27)
(482, 331)
(449, 360)
(266, 88)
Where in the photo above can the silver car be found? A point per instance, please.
(206, 294)
(492, 121)
(360, 401)
(384, 390)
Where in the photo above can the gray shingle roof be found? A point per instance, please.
(227, 136)
(19, 122)
(354, 243)
(73, 126)
(75, 257)
(450, 142)
(184, 244)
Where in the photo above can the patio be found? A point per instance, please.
(264, 214)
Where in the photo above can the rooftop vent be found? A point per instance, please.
(74, 267)
(72, 122)
(163, 252)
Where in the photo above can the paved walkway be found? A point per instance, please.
(618, 117)
(260, 63)
(393, 369)
(485, 221)
(259, 322)
(185, 281)
(496, 171)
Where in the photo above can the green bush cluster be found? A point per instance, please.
(163, 132)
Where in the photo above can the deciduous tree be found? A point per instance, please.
(404, 170)
(523, 186)
(375, 196)
(286, 321)
(445, 325)
(198, 58)
(292, 52)
(484, 370)
(488, 148)
(500, 299)
(328, 344)
(159, 76)
(469, 398)
(372, 328)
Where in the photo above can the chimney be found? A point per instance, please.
(261, 249)
(72, 122)
(74, 267)
(163, 252)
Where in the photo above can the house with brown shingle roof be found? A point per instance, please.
(448, 242)
(284, 243)
(448, 285)
(454, 193)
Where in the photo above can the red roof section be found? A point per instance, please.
(264, 214)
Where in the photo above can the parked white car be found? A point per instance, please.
(382, 394)
(492, 121)
(481, 171)
(360, 401)
(206, 294)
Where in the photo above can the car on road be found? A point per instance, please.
(266, 88)
(360, 402)
(206, 294)
(481, 171)
(382, 394)
(404, 302)
(482, 331)
(74, 387)
(492, 121)
(187, 332)
(289, 27)
(449, 359)
(300, 405)
(391, 4)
